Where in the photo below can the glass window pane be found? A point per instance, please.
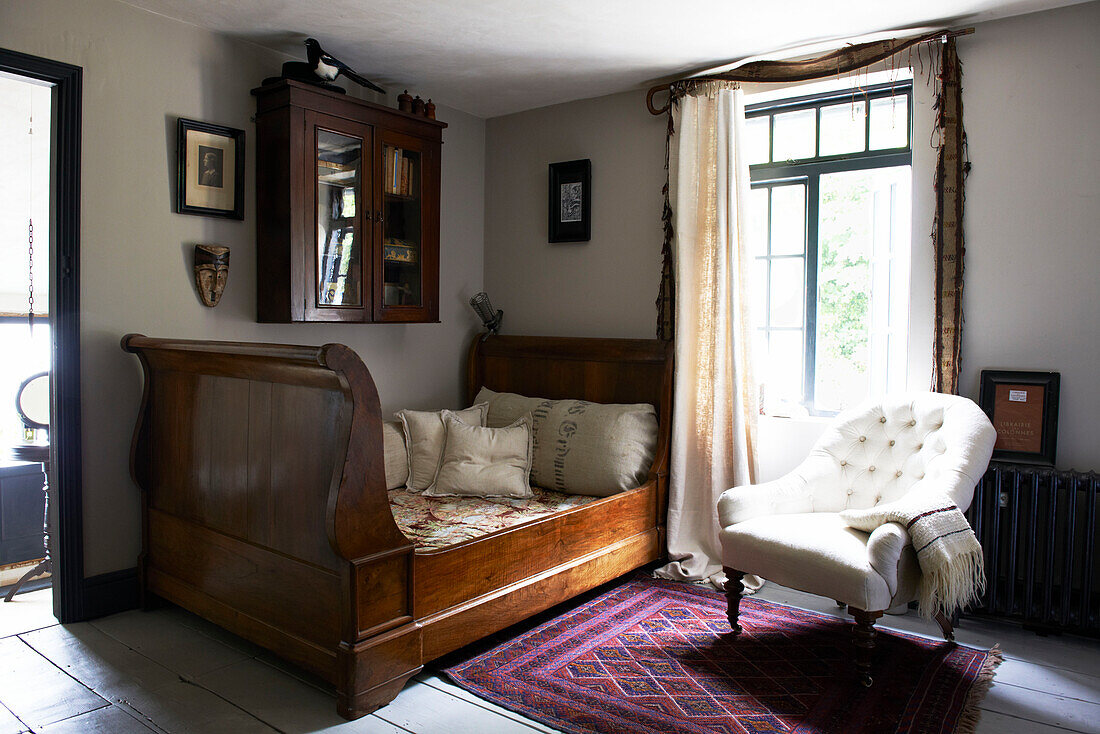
(760, 353)
(783, 379)
(795, 133)
(756, 139)
(889, 122)
(758, 222)
(844, 287)
(339, 160)
(758, 288)
(787, 290)
(862, 298)
(840, 381)
(788, 220)
(843, 128)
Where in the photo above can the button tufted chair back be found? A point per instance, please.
(878, 452)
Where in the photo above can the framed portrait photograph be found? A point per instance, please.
(210, 160)
(1023, 407)
(570, 205)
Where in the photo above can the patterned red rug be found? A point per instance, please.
(655, 656)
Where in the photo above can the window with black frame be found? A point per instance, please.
(829, 214)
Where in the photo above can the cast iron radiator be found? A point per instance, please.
(1038, 529)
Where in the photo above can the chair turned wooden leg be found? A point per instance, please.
(734, 589)
(945, 626)
(864, 634)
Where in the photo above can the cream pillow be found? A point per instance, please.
(484, 462)
(424, 434)
(580, 447)
(394, 454)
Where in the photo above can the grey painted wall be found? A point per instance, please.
(141, 72)
(605, 287)
(1031, 104)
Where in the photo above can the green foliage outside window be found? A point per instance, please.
(844, 280)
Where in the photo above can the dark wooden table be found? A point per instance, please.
(36, 453)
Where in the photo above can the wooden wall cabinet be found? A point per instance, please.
(347, 209)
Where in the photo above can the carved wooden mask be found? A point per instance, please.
(211, 272)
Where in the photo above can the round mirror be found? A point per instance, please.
(32, 402)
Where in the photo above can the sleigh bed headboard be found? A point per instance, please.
(597, 370)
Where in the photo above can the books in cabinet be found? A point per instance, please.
(399, 173)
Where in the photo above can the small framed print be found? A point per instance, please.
(210, 160)
(1023, 407)
(570, 205)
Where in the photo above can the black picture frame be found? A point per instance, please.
(209, 169)
(1003, 396)
(569, 206)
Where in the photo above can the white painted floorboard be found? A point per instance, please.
(1045, 684)
(170, 672)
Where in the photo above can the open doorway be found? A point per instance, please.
(39, 327)
(26, 113)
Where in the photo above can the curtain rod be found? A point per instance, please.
(833, 63)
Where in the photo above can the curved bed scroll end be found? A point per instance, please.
(361, 522)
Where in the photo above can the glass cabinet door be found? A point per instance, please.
(338, 239)
(402, 217)
(339, 280)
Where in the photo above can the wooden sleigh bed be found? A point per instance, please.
(265, 510)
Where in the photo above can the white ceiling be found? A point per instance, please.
(494, 57)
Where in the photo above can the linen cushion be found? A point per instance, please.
(424, 435)
(394, 454)
(484, 462)
(581, 447)
(818, 553)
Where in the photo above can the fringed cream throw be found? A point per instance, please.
(950, 557)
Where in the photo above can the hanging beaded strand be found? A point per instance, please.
(30, 275)
(30, 241)
(29, 433)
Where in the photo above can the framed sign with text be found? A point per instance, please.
(1023, 407)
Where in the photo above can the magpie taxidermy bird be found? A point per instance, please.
(328, 67)
(320, 70)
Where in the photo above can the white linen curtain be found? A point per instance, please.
(714, 411)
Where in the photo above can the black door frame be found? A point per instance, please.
(67, 543)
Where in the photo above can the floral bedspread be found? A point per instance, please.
(436, 522)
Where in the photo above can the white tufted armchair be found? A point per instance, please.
(789, 532)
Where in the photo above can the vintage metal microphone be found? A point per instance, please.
(490, 319)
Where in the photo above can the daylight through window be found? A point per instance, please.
(829, 236)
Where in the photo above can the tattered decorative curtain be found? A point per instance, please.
(947, 232)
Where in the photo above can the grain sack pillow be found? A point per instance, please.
(424, 434)
(580, 447)
(484, 462)
(394, 454)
